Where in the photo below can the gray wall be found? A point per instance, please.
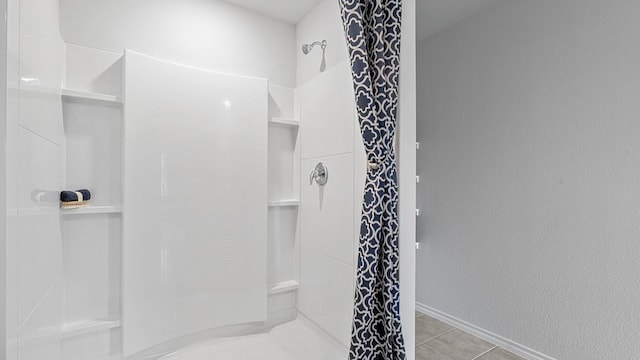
(529, 116)
(3, 183)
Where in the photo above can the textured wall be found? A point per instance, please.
(529, 120)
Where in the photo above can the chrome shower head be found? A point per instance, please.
(306, 48)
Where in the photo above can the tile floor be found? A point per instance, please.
(436, 340)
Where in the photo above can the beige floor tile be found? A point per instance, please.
(427, 328)
(425, 353)
(455, 345)
(499, 354)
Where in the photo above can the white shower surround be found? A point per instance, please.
(208, 34)
(277, 46)
(190, 210)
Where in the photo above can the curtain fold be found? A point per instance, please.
(373, 29)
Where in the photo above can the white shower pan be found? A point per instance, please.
(299, 339)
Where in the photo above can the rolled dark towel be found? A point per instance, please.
(78, 195)
(71, 199)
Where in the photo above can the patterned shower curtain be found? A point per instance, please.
(372, 29)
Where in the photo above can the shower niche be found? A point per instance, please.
(99, 315)
(284, 201)
(92, 236)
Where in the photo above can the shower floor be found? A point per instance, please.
(294, 340)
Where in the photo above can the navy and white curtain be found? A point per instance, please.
(372, 29)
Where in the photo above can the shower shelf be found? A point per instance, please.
(88, 327)
(284, 122)
(74, 94)
(112, 209)
(283, 287)
(284, 203)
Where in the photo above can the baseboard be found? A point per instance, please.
(483, 334)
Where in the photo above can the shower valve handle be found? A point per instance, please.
(320, 174)
(312, 177)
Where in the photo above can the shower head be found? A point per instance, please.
(306, 48)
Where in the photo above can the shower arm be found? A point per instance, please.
(323, 44)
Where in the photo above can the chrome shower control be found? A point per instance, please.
(320, 174)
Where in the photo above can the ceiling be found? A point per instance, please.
(432, 15)
(435, 15)
(289, 11)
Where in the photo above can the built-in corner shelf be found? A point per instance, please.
(285, 286)
(284, 122)
(284, 203)
(109, 209)
(84, 95)
(88, 327)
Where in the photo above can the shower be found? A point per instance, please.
(307, 48)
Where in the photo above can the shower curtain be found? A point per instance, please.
(372, 29)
